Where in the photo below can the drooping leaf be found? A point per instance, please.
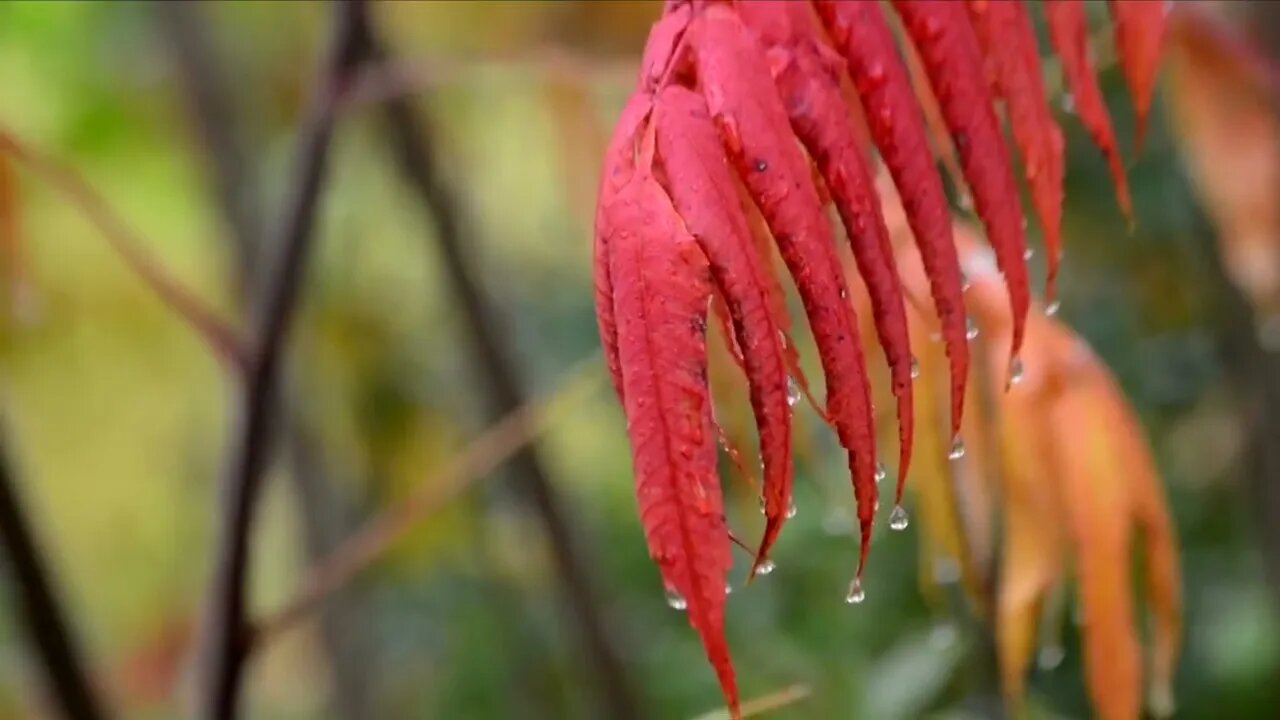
(862, 36)
(700, 182)
(619, 165)
(733, 75)
(941, 32)
(807, 74)
(1069, 33)
(1139, 34)
(661, 288)
(1222, 110)
(1013, 59)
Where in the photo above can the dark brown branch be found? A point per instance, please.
(204, 73)
(44, 619)
(409, 142)
(226, 628)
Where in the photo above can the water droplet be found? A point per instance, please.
(898, 519)
(793, 392)
(791, 510)
(856, 594)
(766, 568)
(1028, 253)
(764, 505)
(970, 329)
(881, 472)
(965, 201)
(1016, 371)
(915, 368)
(844, 293)
(943, 636)
(946, 571)
(761, 166)
(957, 450)
(1052, 308)
(676, 601)
(728, 589)
(1162, 704)
(1050, 657)
(1068, 103)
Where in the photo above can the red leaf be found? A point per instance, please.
(619, 164)
(1069, 32)
(661, 290)
(807, 75)
(1009, 41)
(942, 34)
(734, 78)
(863, 36)
(701, 185)
(1139, 33)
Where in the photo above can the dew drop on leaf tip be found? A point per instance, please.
(766, 568)
(1052, 308)
(881, 472)
(915, 368)
(676, 601)
(791, 510)
(793, 392)
(898, 519)
(1050, 656)
(957, 450)
(856, 594)
(1016, 371)
(970, 329)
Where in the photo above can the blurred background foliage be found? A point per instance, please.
(117, 416)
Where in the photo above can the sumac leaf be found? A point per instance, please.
(734, 77)
(700, 181)
(863, 37)
(942, 34)
(807, 75)
(1139, 34)
(661, 288)
(1069, 33)
(1009, 43)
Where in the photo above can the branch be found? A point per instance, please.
(69, 685)
(409, 140)
(226, 629)
(221, 338)
(484, 455)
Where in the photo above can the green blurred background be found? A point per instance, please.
(117, 417)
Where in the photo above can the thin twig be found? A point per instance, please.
(484, 455)
(400, 78)
(410, 141)
(221, 338)
(765, 703)
(69, 686)
(226, 628)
